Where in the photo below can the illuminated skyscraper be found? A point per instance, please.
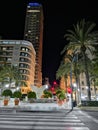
(34, 33)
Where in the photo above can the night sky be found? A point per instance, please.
(59, 16)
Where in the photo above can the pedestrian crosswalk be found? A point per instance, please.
(40, 121)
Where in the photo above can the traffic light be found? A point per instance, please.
(69, 90)
(52, 88)
(54, 83)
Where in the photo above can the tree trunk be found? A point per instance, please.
(95, 89)
(83, 50)
(10, 81)
(77, 87)
(65, 77)
(87, 77)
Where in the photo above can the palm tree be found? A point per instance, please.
(8, 74)
(76, 67)
(18, 78)
(82, 39)
(95, 62)
(11, 74)
(63, 71)
(94, 71)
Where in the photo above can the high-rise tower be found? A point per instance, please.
(34, 33)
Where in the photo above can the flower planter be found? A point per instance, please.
(16, 102)
(5, 102)
(17, 95)
(60, 102)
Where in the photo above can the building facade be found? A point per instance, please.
(19, 53)
(34, 33)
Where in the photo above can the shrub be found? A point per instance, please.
(7, 92)
(47, 94)
(89, 103)
(17, 94)
(60, 94)
(31, 95)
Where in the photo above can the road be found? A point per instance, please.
(93, 113)
(88, 117)
(49, 120)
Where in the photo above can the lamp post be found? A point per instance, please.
(71, 81)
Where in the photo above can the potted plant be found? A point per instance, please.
(7, 93)
(61, 97)
(47, 94)
(31, 96)
(17, 95)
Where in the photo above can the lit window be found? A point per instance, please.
(21, 65)
(23, 49)
(27, 49)
(36, 37)
(9, 59)
(4, 48)
(29, 31)
(26, 34)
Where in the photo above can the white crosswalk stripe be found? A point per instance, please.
(40, 121)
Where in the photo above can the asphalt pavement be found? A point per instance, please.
(41, 120)
(88, 115)
(15, 118)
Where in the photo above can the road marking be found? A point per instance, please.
(42, 121)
